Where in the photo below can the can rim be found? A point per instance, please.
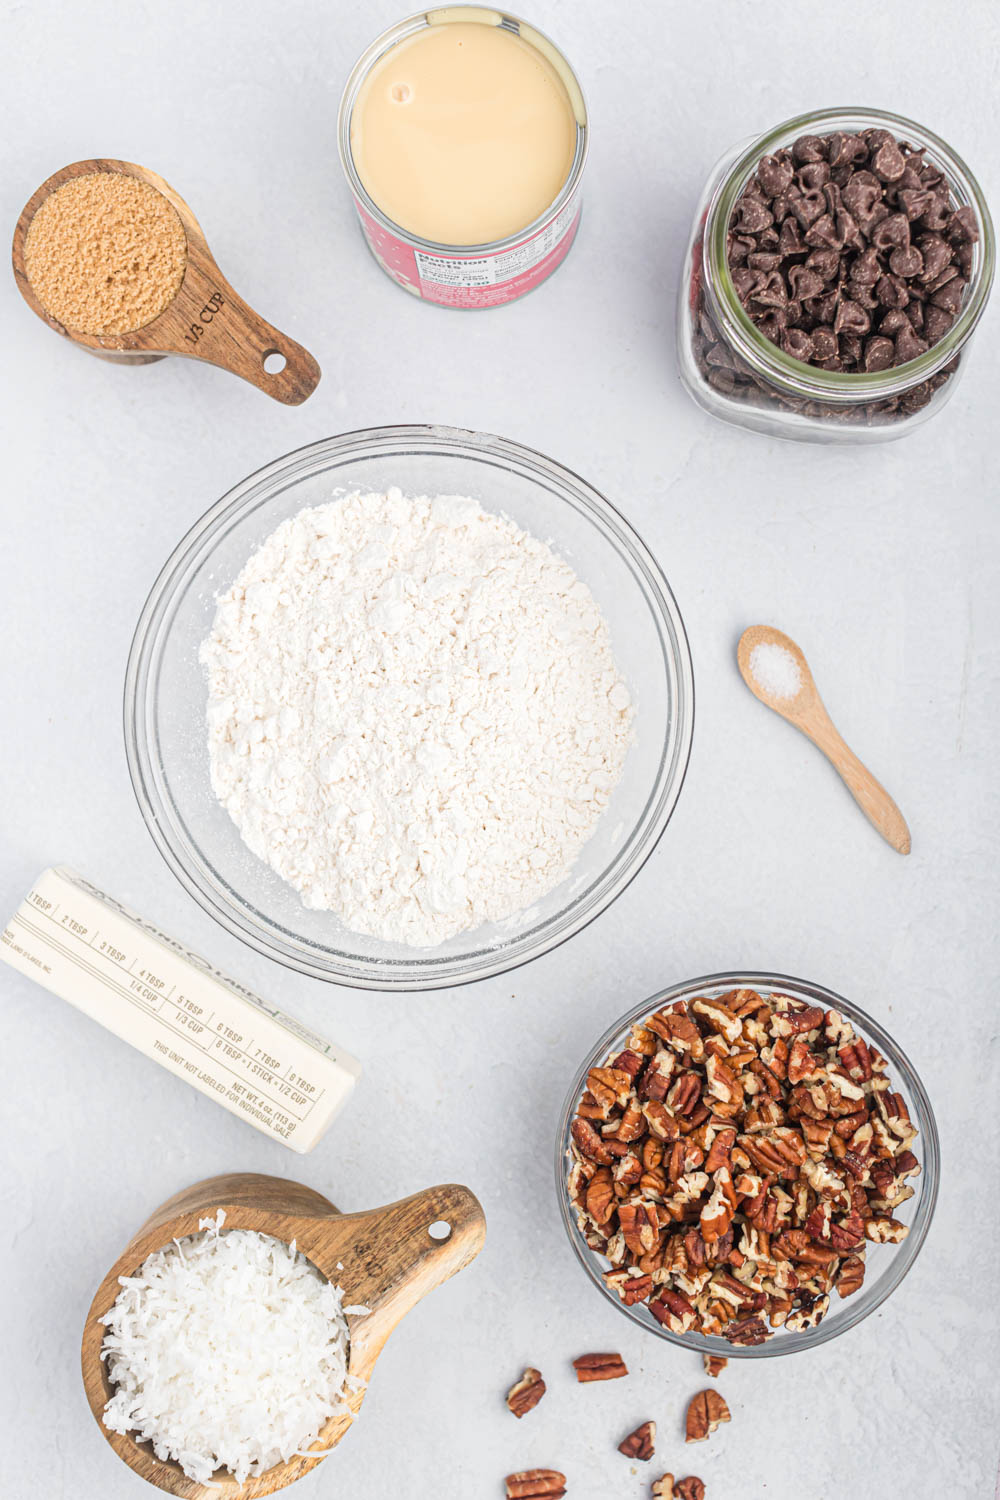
(377, 49)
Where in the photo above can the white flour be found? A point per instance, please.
(414, 713)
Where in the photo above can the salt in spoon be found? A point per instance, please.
(802, 706)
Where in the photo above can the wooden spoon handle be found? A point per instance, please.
(870, 795)
(213, 323)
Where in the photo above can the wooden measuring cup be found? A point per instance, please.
(206, 320)
(385, 1259)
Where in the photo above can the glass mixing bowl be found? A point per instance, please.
(166, 695)
(886, 1265)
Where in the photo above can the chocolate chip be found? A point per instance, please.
(908, 345)
(906, 261)
(798, 343)
(962, 224)
(879, 353)
(915, 201)
(824, 343)
(804, 281)
(790, 241)
(770, 290)
(936, 256)
(849, 252)
(808, 148)
(851, 318)
(936, 323)
(938, 214)
(893, 232)
(844, 149)
(826, 263)
(808, 208)
(752, 215)
(775, 175)
(888, 163)
(861, 196)
(891, 291)
(949, 296)
(815, 175)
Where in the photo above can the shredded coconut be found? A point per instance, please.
(775, 669)
(226, 1350)
(415, 716)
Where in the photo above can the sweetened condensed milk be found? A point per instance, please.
(463, 133)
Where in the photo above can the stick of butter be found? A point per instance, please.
(177, 1009)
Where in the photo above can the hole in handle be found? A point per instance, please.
(273, 361)
(440, 1230)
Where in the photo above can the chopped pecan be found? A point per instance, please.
(714, 1364)
(589, 1143)
(850, 1276)
(886, 1231)
(679, 1032)
(536, 1484)
(706, 1411)
(640, 1226)
(640, 1443)
(691, 1488)
(609, 1087)
(748, 1331)
(590, 1367)
(630, 1287)
(525, 1394)
(663, 1488)
(600, 1196)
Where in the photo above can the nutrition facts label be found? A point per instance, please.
(176, 1009)
(492, 270)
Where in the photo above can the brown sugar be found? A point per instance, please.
(105, 253)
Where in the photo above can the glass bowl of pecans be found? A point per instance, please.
(747, 1164)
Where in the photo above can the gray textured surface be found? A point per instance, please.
(880, 562)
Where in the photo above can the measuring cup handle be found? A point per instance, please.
(406, 1260)
(220, 328)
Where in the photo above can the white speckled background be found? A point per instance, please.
(881, 562)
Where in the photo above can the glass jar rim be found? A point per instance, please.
(765, 358)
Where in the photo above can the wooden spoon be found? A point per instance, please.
(385, 1259)
(806, 711)
(206, 320)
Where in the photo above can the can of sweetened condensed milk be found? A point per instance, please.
(463, 133)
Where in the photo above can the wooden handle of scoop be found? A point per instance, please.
(210, 321)
(870, 795)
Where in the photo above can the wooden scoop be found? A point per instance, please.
(805, 710)
(206, 320)
(386, 1259)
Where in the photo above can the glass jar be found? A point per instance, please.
(737, 373)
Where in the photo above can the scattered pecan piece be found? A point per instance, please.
(714, 1364)
(591, 1367)
(536, 1484)
(525, 1394)
(705, 1413)
(691, 1488)
(663, 1488)
(640, 1443)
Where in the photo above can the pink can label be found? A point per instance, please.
(473, 280)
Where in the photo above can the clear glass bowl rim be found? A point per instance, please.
(152, 628)
(928, 1150)
(793, 375)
